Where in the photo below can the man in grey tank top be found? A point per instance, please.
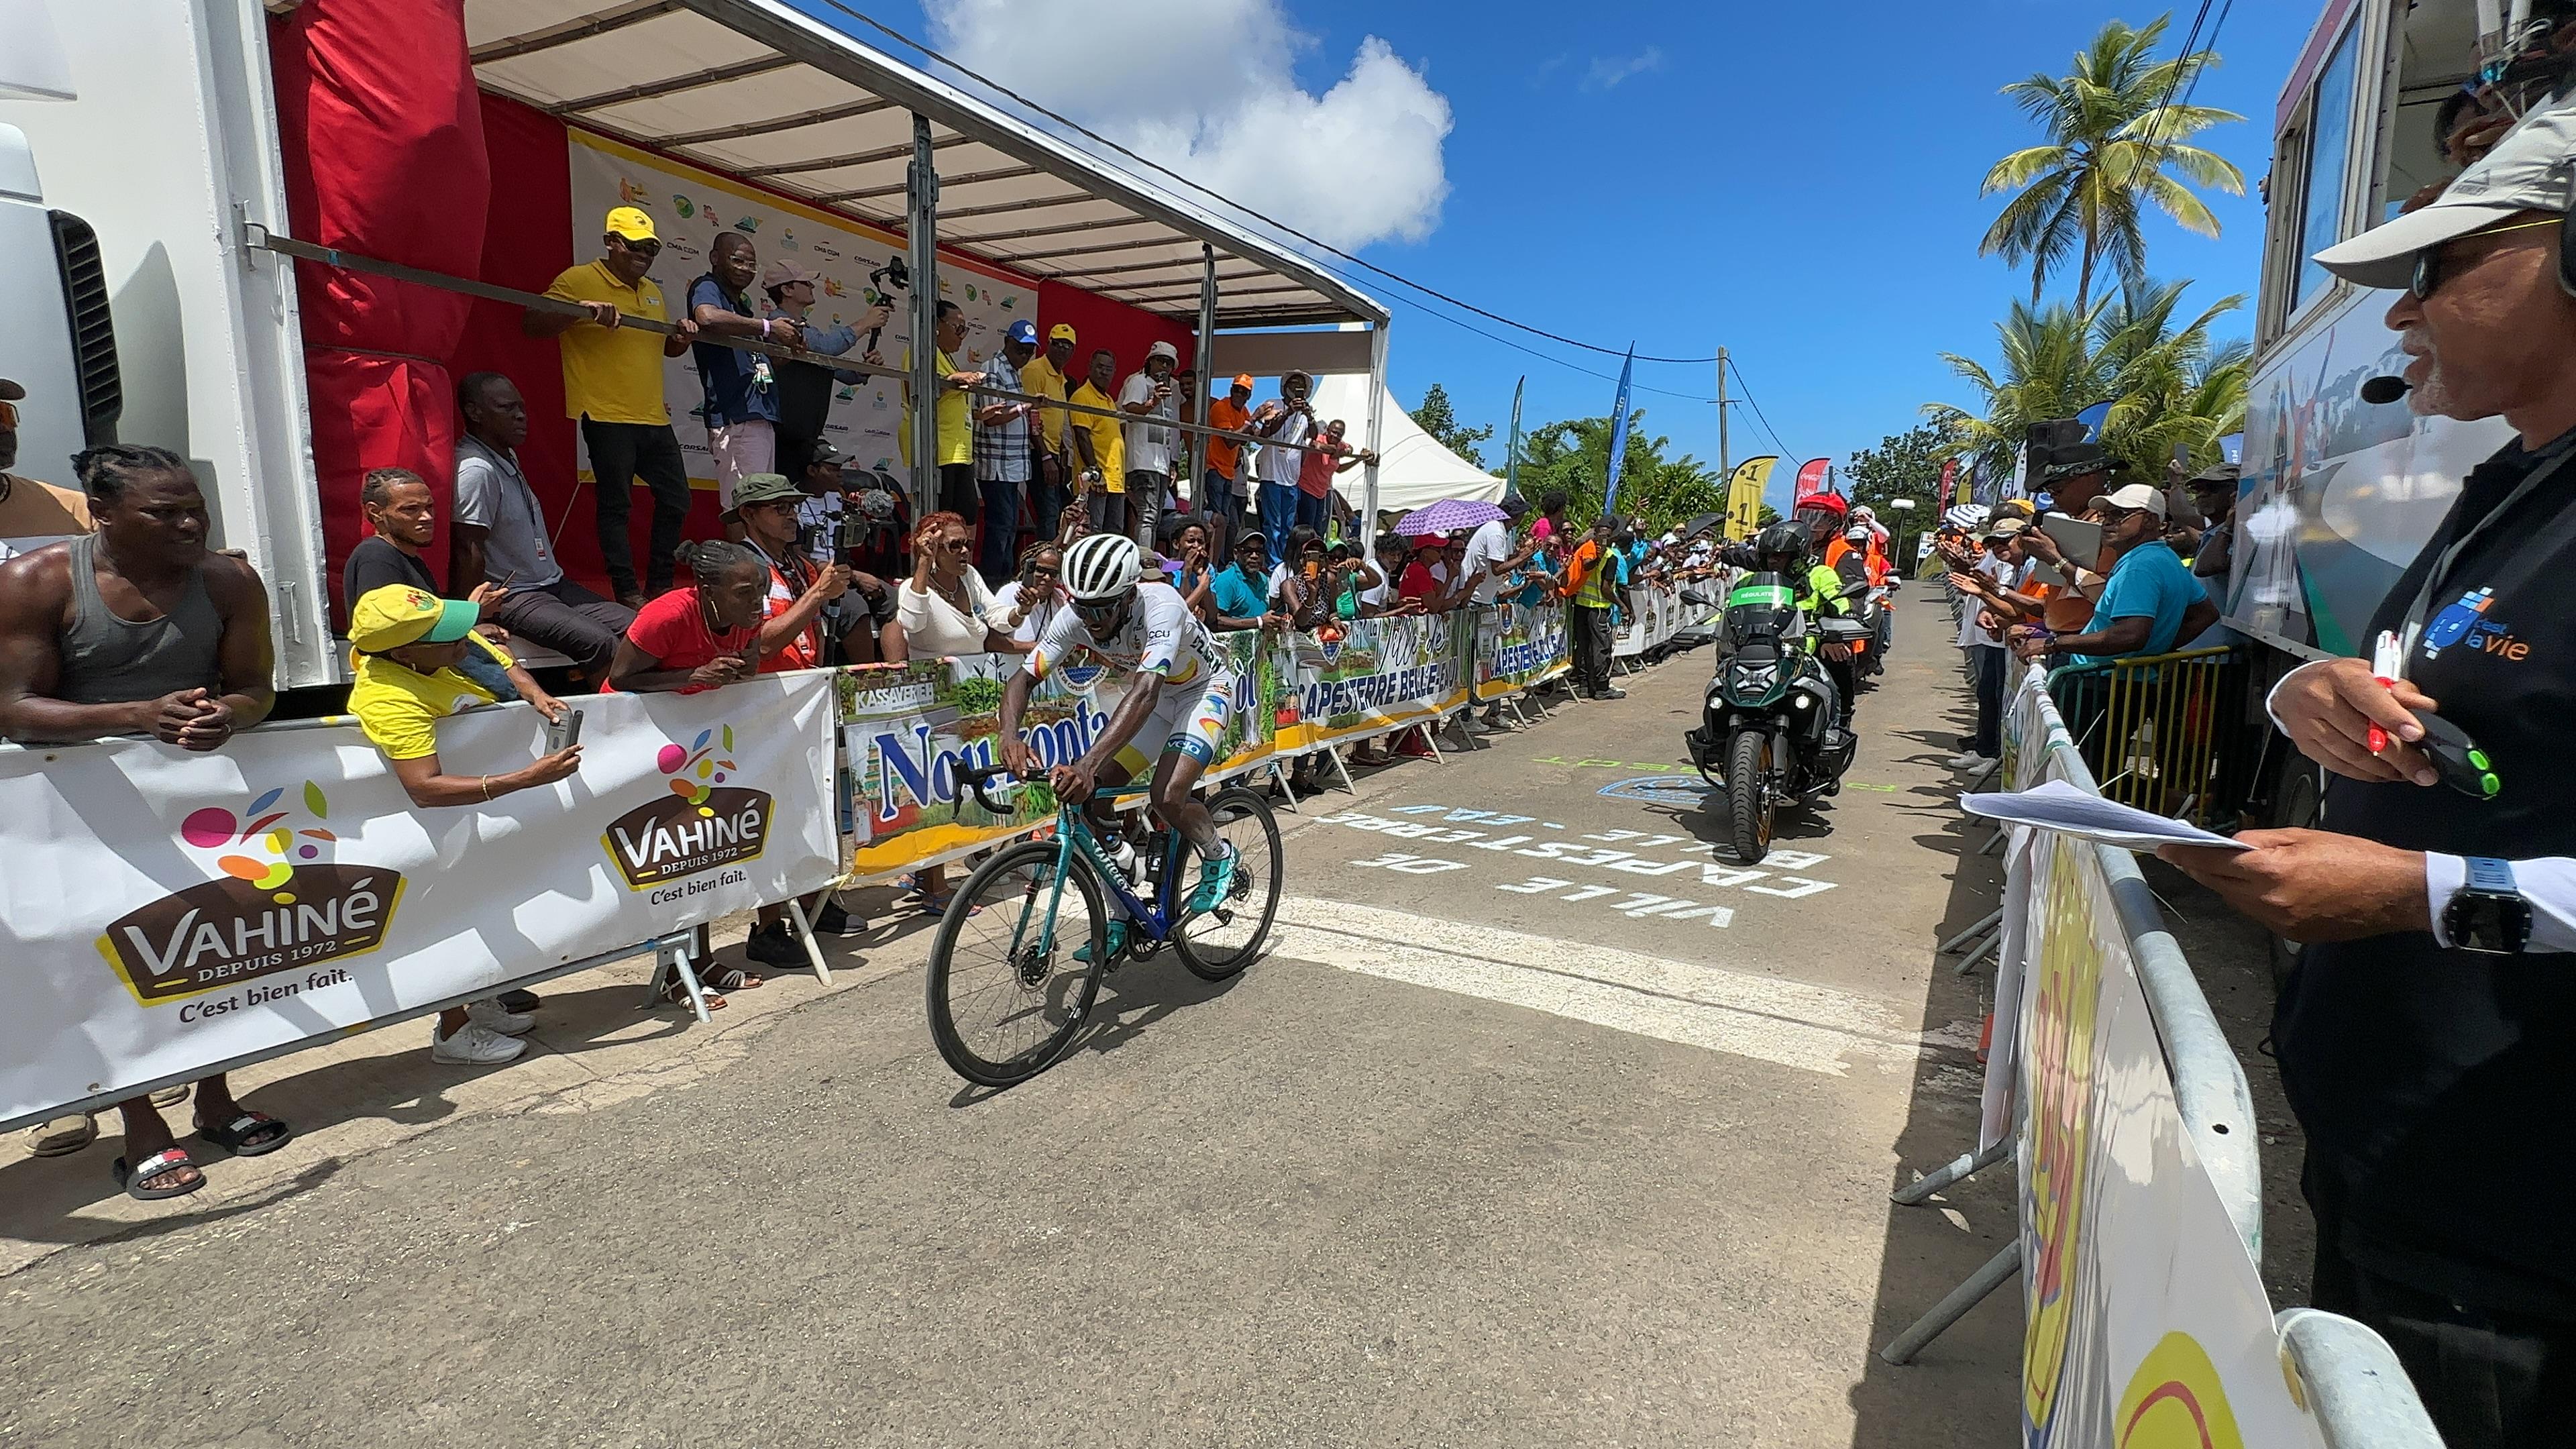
(139, 629)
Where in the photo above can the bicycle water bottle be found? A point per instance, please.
(1123, 856)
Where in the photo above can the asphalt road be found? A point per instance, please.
(1545, 1124)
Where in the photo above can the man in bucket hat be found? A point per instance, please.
(2423, 1038)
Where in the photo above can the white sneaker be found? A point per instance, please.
(1968, 761)
(497, 1019)
(1484, 725)
(474, 1045)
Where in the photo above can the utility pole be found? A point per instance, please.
(1725, 465)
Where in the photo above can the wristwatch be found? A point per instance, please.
(2488, 915)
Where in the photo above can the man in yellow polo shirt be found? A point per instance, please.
(1044, 376)
(1100, 445)
(613, 385)
(406, 645)
(956, 457)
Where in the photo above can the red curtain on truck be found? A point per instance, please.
(381, 136)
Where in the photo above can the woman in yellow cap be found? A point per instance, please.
(408, 644)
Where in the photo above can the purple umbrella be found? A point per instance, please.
(1449, 515)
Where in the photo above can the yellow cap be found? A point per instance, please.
(632, 223)
(1060, 332)
(398, 614)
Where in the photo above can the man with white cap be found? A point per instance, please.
(805, 388)
(2425, 1038)
(2149, 598)
(1151, 396)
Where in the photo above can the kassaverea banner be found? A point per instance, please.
(285, 888)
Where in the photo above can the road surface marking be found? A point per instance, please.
(1786, 1023)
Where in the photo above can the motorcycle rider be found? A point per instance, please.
(1783, 549)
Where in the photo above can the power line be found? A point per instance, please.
(1757, 408)
(1076, 127)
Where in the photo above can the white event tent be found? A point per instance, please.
(1415, 470)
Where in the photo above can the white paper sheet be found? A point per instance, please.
(2057, 805)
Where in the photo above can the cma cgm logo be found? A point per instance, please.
(2468, 624)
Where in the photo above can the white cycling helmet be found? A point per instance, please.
(1102, 566)
(1967, 517)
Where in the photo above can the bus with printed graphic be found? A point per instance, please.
(2339, 492)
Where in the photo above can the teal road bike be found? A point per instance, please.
(1023, 948)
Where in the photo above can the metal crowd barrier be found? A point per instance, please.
(2154, 729)
(2345, 1373)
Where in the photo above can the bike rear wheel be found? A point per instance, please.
(1004, 1006)
(1222, 942)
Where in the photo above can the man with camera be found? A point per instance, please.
(1153, 398)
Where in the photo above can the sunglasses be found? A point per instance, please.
(643, 248)
(2428, 262)
(1045, 573)
(1098, 608)
(959, 545)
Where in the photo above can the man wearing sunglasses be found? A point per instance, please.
(1179, 699)
(2424, 1037)
(32, 514)
(613, 386)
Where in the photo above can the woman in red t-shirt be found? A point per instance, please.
(704, 636)
(701, 637)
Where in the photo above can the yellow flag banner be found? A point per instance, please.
(1744, 489)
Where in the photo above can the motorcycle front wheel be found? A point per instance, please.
(1749, 802)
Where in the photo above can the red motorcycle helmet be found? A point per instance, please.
(1832, 503)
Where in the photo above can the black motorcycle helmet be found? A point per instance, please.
(1784, 542)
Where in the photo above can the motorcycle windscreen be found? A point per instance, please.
(1763, 606)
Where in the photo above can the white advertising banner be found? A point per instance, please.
(1654, 618)
(167, 912)
(690, 207)
(2147, 1323)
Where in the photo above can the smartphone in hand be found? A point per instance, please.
(564, 733)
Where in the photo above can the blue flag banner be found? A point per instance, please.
(2092, 418)
(1618, 433)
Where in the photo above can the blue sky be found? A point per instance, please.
(1798, 182)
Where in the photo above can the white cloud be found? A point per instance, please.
(1208, 88)
(1607, 71)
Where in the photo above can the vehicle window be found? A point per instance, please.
(2321, 207)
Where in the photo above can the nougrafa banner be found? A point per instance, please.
(164, 912)
(908, 729)
(2146, 1323)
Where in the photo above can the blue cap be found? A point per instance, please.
(1023, 330)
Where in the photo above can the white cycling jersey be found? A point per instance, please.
(1161, 636)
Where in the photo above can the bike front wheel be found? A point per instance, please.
(1217, 944)
(1016, 965)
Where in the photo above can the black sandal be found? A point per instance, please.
(241, 1136)
(168, 1159)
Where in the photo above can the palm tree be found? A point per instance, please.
(2168, 386)
(2115, 129)
(2049, 370)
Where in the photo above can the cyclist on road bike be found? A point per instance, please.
(1179, 699)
